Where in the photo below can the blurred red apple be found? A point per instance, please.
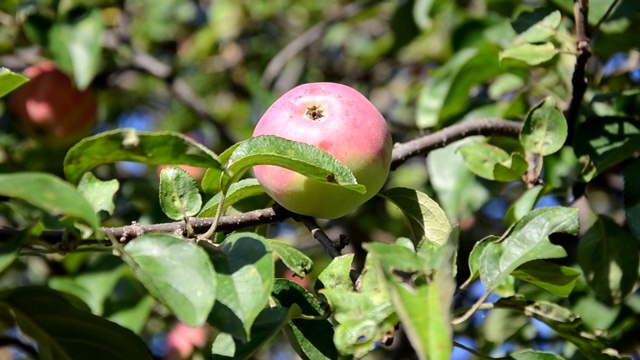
(196, 172)
(50, 109)
(182, 340)
(339, 120)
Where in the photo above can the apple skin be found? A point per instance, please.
(346, 125)
(50, 109)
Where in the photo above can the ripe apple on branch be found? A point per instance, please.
(339, 120)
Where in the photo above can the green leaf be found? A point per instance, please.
(529, 354)
(523, 205)
(512, 169)
(505, 85)
(609, 258)
(474, 257)
(525, 241)
(238, 191)
(502, 324)
(93, 286)
(266, 326)
(632, 197)
(311, 338)
(545, 129)
(63, 332)
(177, 273)
(76, 45)
(362, 320)
(481, 158)
(336, 274)
(538, 25)
(530, 53)
(427, 220)
(10, 81)
(458, 191)
(48, 193)
(99, 193)
(179, 195)
(492, 162)
(606, 141)
(556, 279)
(308, 160)
(153, 148)
(135, 317)
(9, 249)
(424, 305)
(293, 258)
(564, 322)
(446, 93)
(244, 266)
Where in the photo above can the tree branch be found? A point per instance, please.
(320, 236)
(401, 152)
(307, 38)
(579, 80)
(448, 135)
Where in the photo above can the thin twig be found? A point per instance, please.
(604, 17)
(472, 309)
(471, 351)
(450, 134)
(307, 38)
(401, 152)
(320, 236)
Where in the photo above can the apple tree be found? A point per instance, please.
(470, 190)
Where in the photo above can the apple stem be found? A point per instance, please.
(314, 113)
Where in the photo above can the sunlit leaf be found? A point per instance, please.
(538, 25)
(152, 148)
(446, 92)
(245, 273)
(526, 240)
(99, 193)
(336, 274)
(179, 196)
(10, 81)
(177, 273)
(530, 53)
(427, 220)
(305, 159)
(523, 205)
(76, 45)
(293, 258)
(48, 193)
(545, 128)
(237, 191)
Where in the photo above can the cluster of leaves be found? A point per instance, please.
(520, 67)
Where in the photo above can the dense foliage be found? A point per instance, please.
(508, 228)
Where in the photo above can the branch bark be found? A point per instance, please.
(423, 145)
(579, 80)
(401, 152)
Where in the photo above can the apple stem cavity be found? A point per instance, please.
(314, 113)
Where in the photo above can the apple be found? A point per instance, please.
(50, 109)
(339, 120)
(197, 173)
(182, 340)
